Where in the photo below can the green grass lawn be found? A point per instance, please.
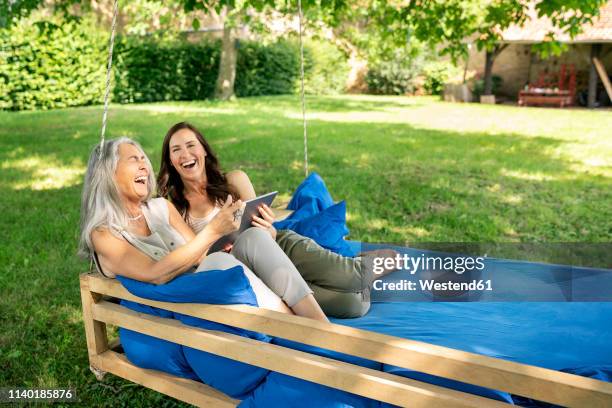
(411, 169)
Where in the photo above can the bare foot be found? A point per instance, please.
(369, 256)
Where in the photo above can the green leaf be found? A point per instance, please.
(195, 24)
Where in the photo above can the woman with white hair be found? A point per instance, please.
(127, 232)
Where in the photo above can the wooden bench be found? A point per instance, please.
(534, 382)
(554, 89)
(552, 98)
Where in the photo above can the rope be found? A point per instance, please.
(108, 75)
(302, 91)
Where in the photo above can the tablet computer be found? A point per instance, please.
(251, 208)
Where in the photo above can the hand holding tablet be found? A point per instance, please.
(245, 217)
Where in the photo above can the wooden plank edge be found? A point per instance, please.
(190, 391)
(358, 380)
(603, 75)
(519, 379)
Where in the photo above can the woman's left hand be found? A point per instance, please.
(266, 220)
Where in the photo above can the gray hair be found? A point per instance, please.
(101, 205)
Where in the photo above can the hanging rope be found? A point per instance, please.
(302, 90)
(108, 75)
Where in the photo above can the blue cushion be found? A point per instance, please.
(279, 390)
(316, 216)
(219, 287)
(229, 286)
(153, 353)
(327, 228)
(311, 192)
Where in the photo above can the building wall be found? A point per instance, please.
(518, 65)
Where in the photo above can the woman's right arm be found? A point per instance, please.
(121, 258)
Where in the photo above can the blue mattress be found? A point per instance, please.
(559, 336)
(575, 337)
(570, 337)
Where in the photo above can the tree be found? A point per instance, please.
(449, 23)
(235, 12)
(228, 13)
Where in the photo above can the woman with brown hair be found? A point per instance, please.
(191, 178)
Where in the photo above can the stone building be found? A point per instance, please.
(518, 64)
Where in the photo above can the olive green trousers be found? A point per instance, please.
(341, 285)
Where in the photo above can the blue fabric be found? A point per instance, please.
(257, 386)
(317, 217)
(572, 337)
(279, 390)
(140, 348)
(313, 193)
(229, 286)
(222, 287)
(550, 335)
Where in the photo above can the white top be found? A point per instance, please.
(198, 224)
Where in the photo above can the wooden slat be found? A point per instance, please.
(601, 70)
(95, 332)
(344, 376)
(520, 379)
(192, 392)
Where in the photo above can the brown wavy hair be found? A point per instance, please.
(169, 182)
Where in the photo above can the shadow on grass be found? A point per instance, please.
(402, 183)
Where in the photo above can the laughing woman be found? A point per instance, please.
(190, 177)
(128, 233)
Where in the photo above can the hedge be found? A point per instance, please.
(47, 65)
(61, 64)
(150, 71)
(267, 69)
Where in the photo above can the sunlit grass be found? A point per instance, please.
(46, 174)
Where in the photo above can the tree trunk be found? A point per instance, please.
(224, 89)
(488, 73)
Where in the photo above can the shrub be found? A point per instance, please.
(271, 69)
(326, 68)
(438, 73)
(149, 70)
(53, 64)
(478, 87)
(395, 76)
(63, 63)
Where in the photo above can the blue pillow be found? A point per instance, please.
(327, 228)
(153, 353)
(229, 286)
(312, 191)
(280, 390)
(309, 209)
(218, 287)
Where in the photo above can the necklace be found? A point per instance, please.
(135, 218)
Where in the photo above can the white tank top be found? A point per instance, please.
(198, 224)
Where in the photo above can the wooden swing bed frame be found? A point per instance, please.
(99, 311)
